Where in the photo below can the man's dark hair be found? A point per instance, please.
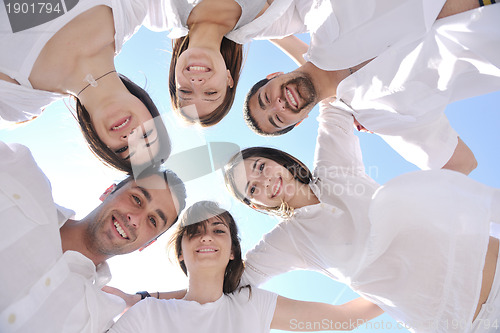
(250, 120)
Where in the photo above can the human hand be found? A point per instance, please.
(129, 299)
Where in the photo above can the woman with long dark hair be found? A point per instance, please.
(207, 246)
(72, 54)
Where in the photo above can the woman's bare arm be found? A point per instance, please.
(293, 315)
(293, 47)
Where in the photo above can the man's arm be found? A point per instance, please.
(293, 47)
(462, 160)
(290, 313)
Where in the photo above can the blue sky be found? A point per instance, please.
(78, 178)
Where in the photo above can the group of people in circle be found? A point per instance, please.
(417, 248)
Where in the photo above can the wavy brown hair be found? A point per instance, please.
(233, 57)
(101, 150)
(196, 217)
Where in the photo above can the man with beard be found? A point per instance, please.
(53, 266)
(401, 94)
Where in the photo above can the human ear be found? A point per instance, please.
(108, 191)
(273, 75)
(230, 81)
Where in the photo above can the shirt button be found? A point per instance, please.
(16, 196)
(12, 318)
(47, 282)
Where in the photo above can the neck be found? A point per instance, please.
(325, 82)
(205, 287)
(218, 15)
(305, 197)
(110, 89)
(206, 35)
(73, 238)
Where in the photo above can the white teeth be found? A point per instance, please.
(290, 96)
(206, 250)
(120, 230)
(277, 189)
(120, 126)
(198, 68)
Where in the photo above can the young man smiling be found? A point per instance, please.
(56, 266)
(401, 94)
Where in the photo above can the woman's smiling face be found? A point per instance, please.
(201, 79)
(208, 247)
(264, 182)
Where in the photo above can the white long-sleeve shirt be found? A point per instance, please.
(423, 268)
(43, 289)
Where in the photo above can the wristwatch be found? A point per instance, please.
(143, 294)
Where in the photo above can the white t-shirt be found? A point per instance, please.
(42, 289)
(241, 312)
(405, 104)
(412, 265)
(21, 102)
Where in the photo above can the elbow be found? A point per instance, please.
(472, 165)
(464, 166)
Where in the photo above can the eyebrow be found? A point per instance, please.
(151, 142)
(262, 106)
(203, 99)
(147, 195)
(184, 99)
(125, 149)
(212, 100)
(253, 168)
(162, 216)
(145, 192)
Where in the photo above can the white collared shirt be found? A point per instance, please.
(42, 289)
(402, 94)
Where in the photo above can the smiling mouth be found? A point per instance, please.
(277, 188)
(119, 228)
(120, 125)
(291, 99)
